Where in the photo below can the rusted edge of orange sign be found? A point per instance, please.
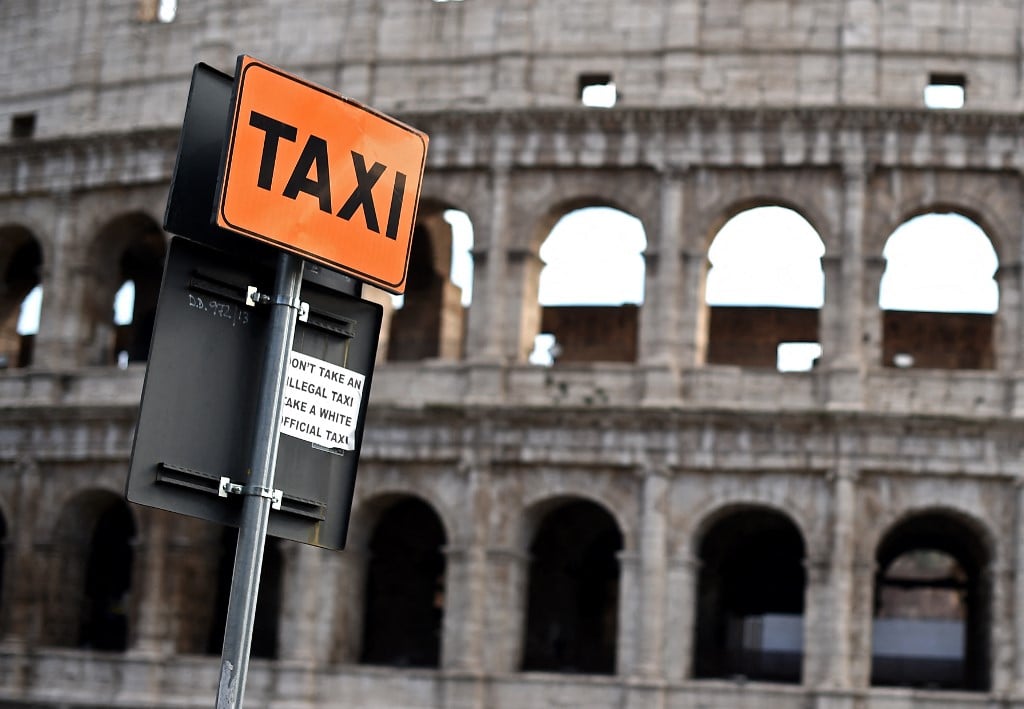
(243, 63)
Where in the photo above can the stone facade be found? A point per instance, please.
(718, 496)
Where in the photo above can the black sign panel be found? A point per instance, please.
(196, 420)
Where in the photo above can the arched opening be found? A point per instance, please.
(405, 587)
(931, 606)
(938, 295)
(268, 597)
(765, 288)
(21, 260)
(750, 598)
(90, 590)
(591, 288)
(572, 599)
(429, 319)
(127, 286)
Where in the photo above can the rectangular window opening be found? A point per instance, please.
(23, 126)
(947, 91)
(797, 356)
(597, 90)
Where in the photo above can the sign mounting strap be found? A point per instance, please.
(229, 488)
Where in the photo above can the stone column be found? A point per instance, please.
(873, 335)
(505, 603)
(660, 318)
(653, 547)
(695, 318)
(1017, 598)
(1007, 335)
(308, 605)
(486, 326)
(630, 611)
(465, 614)
(346, 573)
(150, 587)
(817, 619)
(23, 604)
(1000, 577)
(663, 337)
(680, 617)
(861, 622)
(843, 316)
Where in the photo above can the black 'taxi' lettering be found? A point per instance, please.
(313, 154)
(273, 130)
(362, 196)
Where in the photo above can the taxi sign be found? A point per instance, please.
(321, 175)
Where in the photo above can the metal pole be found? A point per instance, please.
(256, 502)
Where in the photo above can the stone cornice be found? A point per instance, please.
(651, 138)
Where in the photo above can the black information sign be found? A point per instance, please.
(196, 420)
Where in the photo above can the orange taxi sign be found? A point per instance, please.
(320, 175)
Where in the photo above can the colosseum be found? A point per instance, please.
(562, 501)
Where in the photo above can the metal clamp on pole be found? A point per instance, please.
(229, 488)
(253, 297)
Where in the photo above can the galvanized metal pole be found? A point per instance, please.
(257, 494)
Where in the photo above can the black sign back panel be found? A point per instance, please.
(196, 419)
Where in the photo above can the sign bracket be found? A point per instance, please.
(229, 488)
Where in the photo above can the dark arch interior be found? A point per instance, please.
(931, 606)
(573, 591)
(751, 598)
(405, 586)
(142, 263)
(103, 622)
(21, 275)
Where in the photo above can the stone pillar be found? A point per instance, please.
(862, 621)
(505, 602)
(818, 603)
(652, 548)
(23, 604)
(1000, 577)
(630, 610)
(680, 617)
(873, 336)
(843, 316)
(486, 327)
(465, 613)
(660, 318)
(60, 342)
(1017, 598)
(346, 573)
(663, 337)
(695, 317)
(1007, 335)
(308, 605)
(151, 595)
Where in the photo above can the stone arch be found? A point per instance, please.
(572, 594)
(990, 201)
(932, 602)
(936, 332)
(587, 326)
(750, 594)
(760, 329)
(89, 586)
(404, 578)
(129, 247)
(431, 319)
(21, 267)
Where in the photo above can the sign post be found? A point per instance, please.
(322, 179)
(259, 493)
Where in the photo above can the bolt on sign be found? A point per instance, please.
(320, 175)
